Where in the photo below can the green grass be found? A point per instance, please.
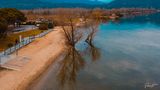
(10, 39)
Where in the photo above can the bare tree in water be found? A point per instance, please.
(73, 62)
(92, 30)
(68, 21)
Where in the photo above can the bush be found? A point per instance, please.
(50, 25)
(43, 26)
(30, 23)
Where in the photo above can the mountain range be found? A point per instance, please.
(74, 1)
(32, 4)
(134, 3)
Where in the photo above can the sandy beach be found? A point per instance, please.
(41, 53)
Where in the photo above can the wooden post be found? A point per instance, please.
(10, 50)
(16, 42)
(0, 60)
(20, 38)
(4, 52)
(16, 52)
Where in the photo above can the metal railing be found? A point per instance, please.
(24, 42)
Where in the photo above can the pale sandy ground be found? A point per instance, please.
(42, 52)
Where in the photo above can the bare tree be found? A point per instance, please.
(92, 30)
(85, 15)
(68, 20)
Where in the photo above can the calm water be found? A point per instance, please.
(125, 56)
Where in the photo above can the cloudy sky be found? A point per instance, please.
(106, 0)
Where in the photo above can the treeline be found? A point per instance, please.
(52, 14)
(8, 17)
(103, 13)
(106, 11)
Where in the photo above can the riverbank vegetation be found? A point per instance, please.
(52, 13)
(10, 19)
(71, 20)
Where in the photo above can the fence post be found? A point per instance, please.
(16, 50)
(0, 61)
(27, 40)
(19, 45)
(4, 52)
(10, 50)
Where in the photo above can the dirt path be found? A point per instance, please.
(42, 52)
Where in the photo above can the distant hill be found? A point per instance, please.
(22, 4)
(32, 4)
(134, 3)
(93, 2)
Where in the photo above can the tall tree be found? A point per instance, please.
(12, 15)
(3, 27)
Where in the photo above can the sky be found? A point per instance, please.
(106, 1)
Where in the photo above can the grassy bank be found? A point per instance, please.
(10, 39)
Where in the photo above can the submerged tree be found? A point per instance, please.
(92, 30)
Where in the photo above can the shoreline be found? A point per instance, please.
(26, 85)
(37, 80)
(42, 53)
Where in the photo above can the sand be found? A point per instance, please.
(41, 53)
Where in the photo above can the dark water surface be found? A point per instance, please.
(125, 56)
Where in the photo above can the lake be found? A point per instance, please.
(125, 56)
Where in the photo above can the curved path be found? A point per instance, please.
(41, 53)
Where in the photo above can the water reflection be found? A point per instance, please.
(69, 68)
(72, 63)
(93, 52)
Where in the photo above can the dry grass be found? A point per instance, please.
(10, 39)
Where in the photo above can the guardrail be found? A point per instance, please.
(24, 42)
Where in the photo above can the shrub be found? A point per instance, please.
(50, 25)
(43, 26)
(30, 23)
